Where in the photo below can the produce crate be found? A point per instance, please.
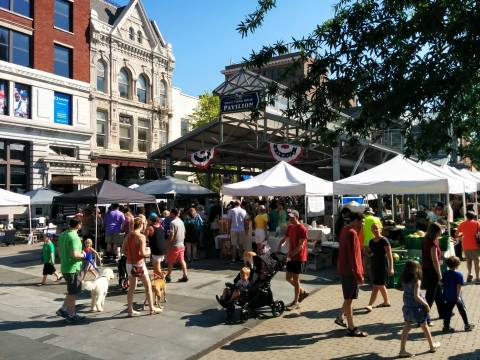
(444, 242)
(413, 242)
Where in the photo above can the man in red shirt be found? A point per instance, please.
(296, 235)
(468, 229)
(350, 269)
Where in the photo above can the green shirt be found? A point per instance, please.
(68, 242)
(369, 220)
(283, 217)
(48, 253)
(272, 220)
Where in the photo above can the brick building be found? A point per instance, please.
(45, 126)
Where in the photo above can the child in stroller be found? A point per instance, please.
(233, 292)
(258, 292)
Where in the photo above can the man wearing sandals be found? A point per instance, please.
(350, 269)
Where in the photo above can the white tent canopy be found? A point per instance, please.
(465, 174)
(283, 179)
(470, 186)
(398, 176)
(8, 198)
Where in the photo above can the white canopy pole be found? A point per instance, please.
(464, 199)
(96, 227)
(30, 220)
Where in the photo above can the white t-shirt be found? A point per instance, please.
(237, 216)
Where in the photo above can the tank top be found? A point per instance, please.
(157, 242)
(132, 249)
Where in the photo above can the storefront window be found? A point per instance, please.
(143, 130)
(125, 132)
(17, 151)
(3, 176)
(3, 97)
(21, 101)
(13, 166)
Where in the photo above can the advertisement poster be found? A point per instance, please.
(62, 109)
(21, 101)
(3, 98)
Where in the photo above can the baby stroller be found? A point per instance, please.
(259, 293)
(122, 273)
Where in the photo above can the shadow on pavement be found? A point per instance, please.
(273, 341)
(207, 318)
(364, 356)
(471, 355)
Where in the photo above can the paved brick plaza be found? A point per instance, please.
(311, 334)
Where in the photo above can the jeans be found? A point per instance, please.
(447, 312)
(433, 290)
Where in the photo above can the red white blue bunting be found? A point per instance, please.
(202, 158)
(286, 152)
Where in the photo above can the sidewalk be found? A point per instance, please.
(309, 333)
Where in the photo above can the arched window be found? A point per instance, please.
(140, 36)
(142, 89)
(163, 94)
(101, 76)
(131, 33)
(124, 83)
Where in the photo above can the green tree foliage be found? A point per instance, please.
(208, 109)
(416, 62)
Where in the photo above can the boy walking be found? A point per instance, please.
(48, 258)
(452, 292)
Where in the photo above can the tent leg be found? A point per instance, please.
(30, 223)
(158, 208)
(393, 207)
(306, 209)
(464, 199)
(96, 228)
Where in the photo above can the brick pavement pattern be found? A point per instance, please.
(310, 333)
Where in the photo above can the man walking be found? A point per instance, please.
(468, 229)
(71, 256)
(236, 220)
(176, 250)
(296, 235)
(113, 228)
(350, 269)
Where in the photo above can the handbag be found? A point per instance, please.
(137, 271)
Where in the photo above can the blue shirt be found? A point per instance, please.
(451, 279)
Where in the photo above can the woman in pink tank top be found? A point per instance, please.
(135, 248)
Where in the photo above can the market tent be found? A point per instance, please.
(470, 186)
(473, 175)
(42, 196)
(171, 187)
(9, 198)
(398, 176)
(282, 179)
(464, 173)
(104, 192)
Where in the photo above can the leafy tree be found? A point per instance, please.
(208, 109)
(412, 64)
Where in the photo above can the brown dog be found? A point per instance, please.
(159, 287)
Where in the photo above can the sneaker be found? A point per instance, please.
(448, 330)
(469, 327)
(183, 279)
(434, 347)
(292, 306)
(168, 279)
(62, 313)
(303, 296)
(75, 318)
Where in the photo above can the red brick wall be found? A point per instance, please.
(44, 35)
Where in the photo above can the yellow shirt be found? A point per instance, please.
(261, 221)
(369, 220)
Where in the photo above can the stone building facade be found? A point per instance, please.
(131, 69)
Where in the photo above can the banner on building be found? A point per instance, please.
(286, 152)
(202, 158)
(239, 102)
(62, 109)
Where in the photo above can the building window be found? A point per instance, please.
(62, 108)
(101, 125)
(63, 61)
(142, 88)
(62, 151)
(101, 76)
(131, 34)
(22, 101)
(140, 36)
(143, 131)
(124, 83)
(22, 7)
(13, 166)
(163, 134)
(63, 15)
(163, 94)
(184, 126)
(15, 47)
(3, 97)
(125, 132)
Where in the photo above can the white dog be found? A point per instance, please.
(99, 289)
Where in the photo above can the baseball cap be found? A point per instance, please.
(368, 210)
(294, 213)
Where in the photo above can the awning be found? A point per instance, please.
(74, 180)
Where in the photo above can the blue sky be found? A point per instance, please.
(204, 38)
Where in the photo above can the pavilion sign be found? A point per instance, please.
(239, 102)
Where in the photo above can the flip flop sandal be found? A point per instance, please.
(355, 332)
(340, 322)
(60, 278)
(405, 355)
(369, 309)
(41, 284)
(383, 305)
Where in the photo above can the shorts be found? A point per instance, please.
(130, 266)
(239, 239)
(48, 269)
(294, 266)
(74, 283)
(115, 238)
(175, 254)
(472, 255)
(260, 236)
(157, 259)
(349, 287)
